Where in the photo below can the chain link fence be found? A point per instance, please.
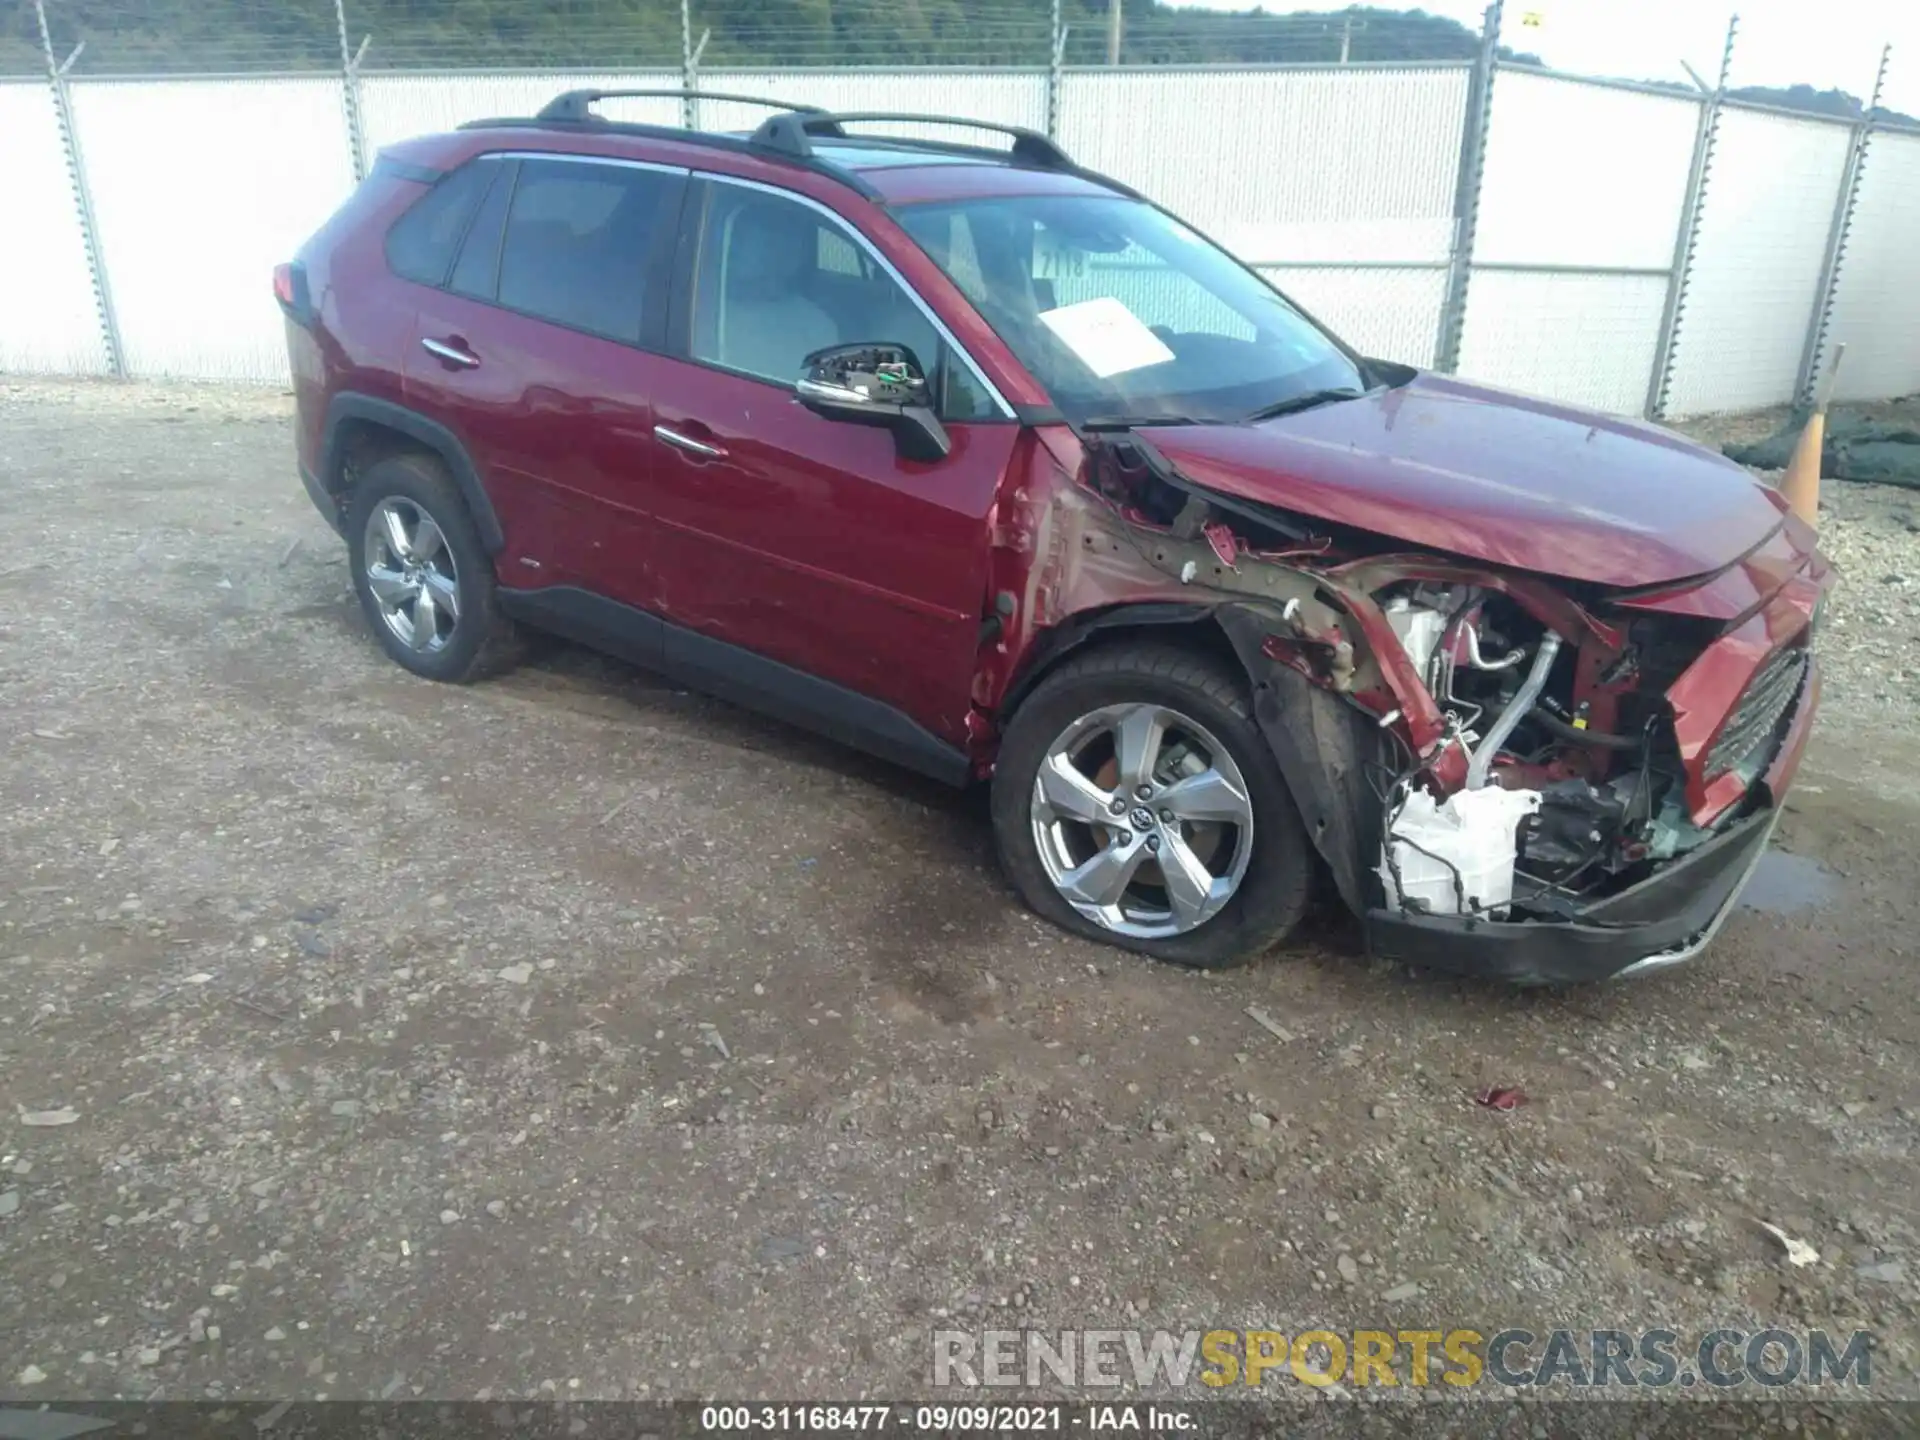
(1434, 198)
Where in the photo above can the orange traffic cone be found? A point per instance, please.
(1801, 484)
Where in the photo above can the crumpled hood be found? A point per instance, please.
(1493, 476)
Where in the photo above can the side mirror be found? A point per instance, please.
(876, 384)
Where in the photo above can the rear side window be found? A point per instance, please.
(422, 242)
(577, 244)
(477, 270)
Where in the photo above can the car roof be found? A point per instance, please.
(890, 169)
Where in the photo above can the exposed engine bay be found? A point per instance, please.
(1518, 743)
(1596, 784)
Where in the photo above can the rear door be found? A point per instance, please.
(803, 539)
(539, 347)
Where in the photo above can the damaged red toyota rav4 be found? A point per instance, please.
(981, 462)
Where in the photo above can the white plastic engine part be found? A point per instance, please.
(1461, 848)
(1419, 628)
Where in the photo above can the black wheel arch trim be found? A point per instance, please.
(351, 405)
(1054, 645)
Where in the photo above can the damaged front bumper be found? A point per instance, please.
(1669, 917)
(1666, 919)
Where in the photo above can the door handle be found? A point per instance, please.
(456, 355)
(673, 437)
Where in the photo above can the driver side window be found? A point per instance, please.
(775, 280)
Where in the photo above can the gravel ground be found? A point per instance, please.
(571, 1034)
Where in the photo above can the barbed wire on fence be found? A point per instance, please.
(241, 36)
(178, 37)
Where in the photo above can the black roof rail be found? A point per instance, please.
(737, 144)
(789, 134)
(792, 133)
(575, 106)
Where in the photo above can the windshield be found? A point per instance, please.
(1124, 313)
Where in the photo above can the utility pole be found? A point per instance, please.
(1346, 38)
(1115, 20)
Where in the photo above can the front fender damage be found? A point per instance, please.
(1325, 747)
(1378, 675)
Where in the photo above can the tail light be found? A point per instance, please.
(290, 289)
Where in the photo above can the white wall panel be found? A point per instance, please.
(1877, 308)
(398, 107)
(1763, 236)
(1581, 174)
(1318, 165)
(1337, 184)
(201, 187)
(49, 321)
(1585, 339)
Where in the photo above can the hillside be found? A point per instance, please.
(210, 36)
(217, 35)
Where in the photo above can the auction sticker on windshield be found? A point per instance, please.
(1055, 259)
(1108, 338)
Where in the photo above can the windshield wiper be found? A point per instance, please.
(1294, 403)
(1132, 422)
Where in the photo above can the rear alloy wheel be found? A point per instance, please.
(1135, 802)
(412, 574)
(424, 579)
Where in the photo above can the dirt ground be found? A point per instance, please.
(573, 1034)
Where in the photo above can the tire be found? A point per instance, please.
(1275, 875)
(476, 639)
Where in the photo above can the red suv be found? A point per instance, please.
(986, 464)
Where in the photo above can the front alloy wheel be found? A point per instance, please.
(1136, 802)
(1142, 820)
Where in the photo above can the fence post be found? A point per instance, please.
(686, 66)
(82, 194)
(1814, 350)
(1687, 236)
(1466, 195)
(350, 78)
(1056, 52)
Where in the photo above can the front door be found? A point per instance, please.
(808, 540)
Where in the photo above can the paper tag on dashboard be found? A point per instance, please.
(1108, 337)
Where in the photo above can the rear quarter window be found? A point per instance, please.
(422, 243)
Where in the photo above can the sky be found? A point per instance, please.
(1825, 43)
